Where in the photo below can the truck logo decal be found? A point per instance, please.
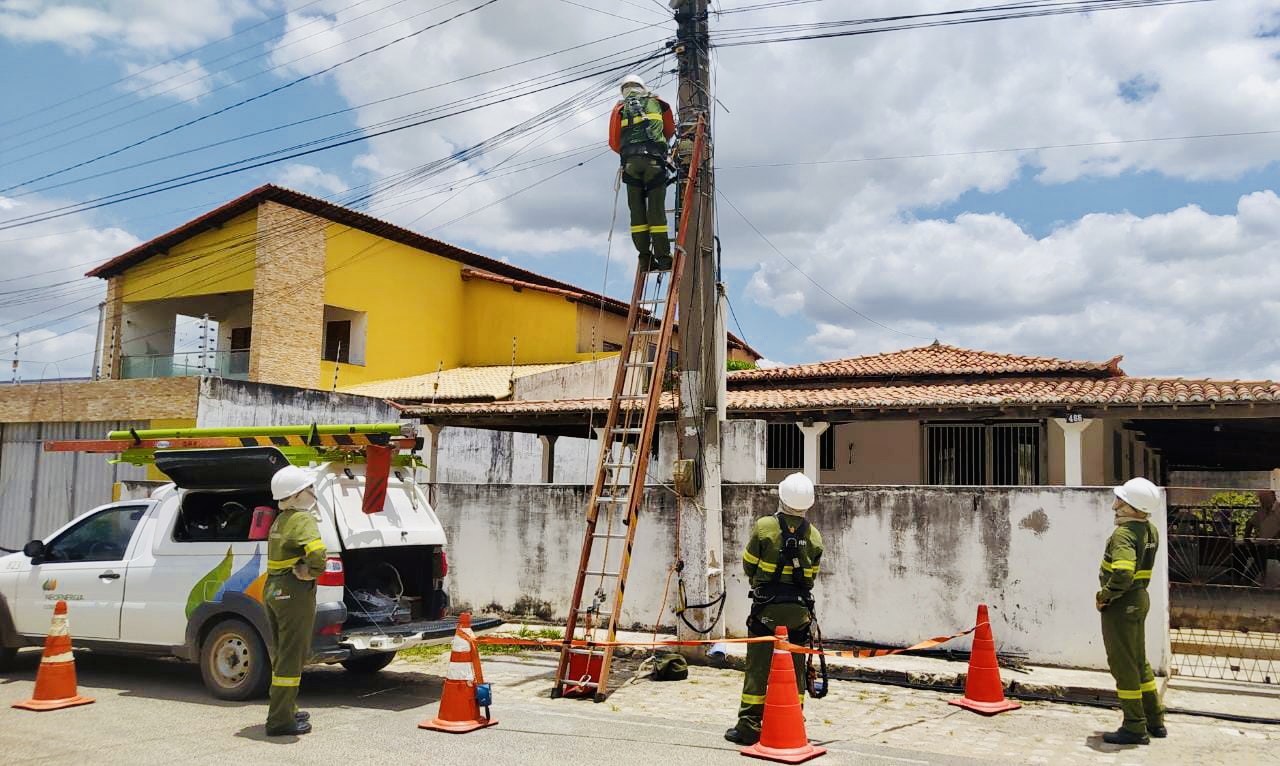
(49, 585)
(214, 586)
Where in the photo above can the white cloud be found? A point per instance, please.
(155, 26)
(58, 312)
(1180, 293)
(311, 179)
(185, 80)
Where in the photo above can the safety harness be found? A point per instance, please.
(798, 591)
(642, 126)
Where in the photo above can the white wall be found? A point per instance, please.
(901, 564)
(585, 380)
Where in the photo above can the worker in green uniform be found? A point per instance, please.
(1123, 601)
(639, 131)
(781, 562)
(295, 558)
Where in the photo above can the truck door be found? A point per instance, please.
(85, 566)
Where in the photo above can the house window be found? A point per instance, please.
(1002, 454)
(337, 341)
(785, 448)
(238, 354)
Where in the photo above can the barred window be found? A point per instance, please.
(972, 454)
(785, 448)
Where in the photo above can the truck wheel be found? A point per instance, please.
(234, 661)
(369, 663)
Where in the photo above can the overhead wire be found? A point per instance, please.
(257, 96)
(568, 106)
(805, 274)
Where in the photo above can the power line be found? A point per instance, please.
(1009, 150)
(805, 274)
(759, 35)
(284, 155)
(256, 97)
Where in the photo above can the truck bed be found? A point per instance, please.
(391, 637)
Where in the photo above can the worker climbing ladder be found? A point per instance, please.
(618, 490)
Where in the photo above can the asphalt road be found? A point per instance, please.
(157, 712)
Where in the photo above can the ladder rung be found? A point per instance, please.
(619, 465)
(599, 573)
(610, 537)
(654, 302)
(641, 364)
(646, 332)
(603, 499)
(627, 430)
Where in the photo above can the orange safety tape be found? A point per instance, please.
(558, 643)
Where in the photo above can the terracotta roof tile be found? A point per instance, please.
(1013, 392)
(937, 360)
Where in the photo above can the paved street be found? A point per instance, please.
(158, 712)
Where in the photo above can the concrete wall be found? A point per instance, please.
(1237, 480)
(876, 452)
(101, 400)
(901, 564)
(586, 380)
(226, 403)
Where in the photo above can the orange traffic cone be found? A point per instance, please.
(459, 707)
(56, 677)
(782, 736)
(983, 691)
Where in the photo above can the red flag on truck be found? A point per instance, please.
(377, 470)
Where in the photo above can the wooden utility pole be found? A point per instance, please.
(701, 365)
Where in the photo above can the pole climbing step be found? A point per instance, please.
(622, 466)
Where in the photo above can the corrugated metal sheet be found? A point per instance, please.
(40, 491)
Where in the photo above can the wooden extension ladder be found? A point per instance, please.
(620, 474)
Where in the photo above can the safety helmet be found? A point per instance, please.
(796, 492)
(1140, 494)
(632, 81)
(289, 481)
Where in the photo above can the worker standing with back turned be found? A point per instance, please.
(639, 131)
(295, 558)
(1124, 603)
(781, 562)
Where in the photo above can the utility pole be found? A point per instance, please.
(698, 435)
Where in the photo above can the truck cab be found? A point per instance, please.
(182, 573)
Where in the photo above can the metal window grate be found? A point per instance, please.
(971, 454)
(785, 448)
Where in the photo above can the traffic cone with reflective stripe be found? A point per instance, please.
(459, 707)
(782, 735)
(983, 690)
(56, 678)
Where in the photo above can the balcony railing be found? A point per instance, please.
(224, 364)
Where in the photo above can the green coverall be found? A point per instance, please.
(291, 608)
(1123, 600)
(647, 200)
(760, 561)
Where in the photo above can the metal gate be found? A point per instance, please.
(1224, 592)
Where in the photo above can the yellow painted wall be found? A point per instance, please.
(217, 261)
(544, 325)
(413, 299)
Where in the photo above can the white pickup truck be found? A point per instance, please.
(179, 575)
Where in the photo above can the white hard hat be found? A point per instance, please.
(632, 80)
(1140, 494)
(796, 492)
(289, 481)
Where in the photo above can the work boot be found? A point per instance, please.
(662, 262)
(302, 715)
(1159, 732)
(298, 728)
(742, 737)
(1125, 737)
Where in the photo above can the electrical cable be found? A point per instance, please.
(255, 97)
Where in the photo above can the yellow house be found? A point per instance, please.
(306, 293)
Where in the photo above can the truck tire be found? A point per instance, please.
(368, 663)
(234, 661)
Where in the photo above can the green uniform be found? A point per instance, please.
(643, 146)
(1124, 576)
(291, 608)
(780, 592)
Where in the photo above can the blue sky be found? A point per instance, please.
(1160, 251)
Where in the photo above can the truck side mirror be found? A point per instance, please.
(34, 550)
